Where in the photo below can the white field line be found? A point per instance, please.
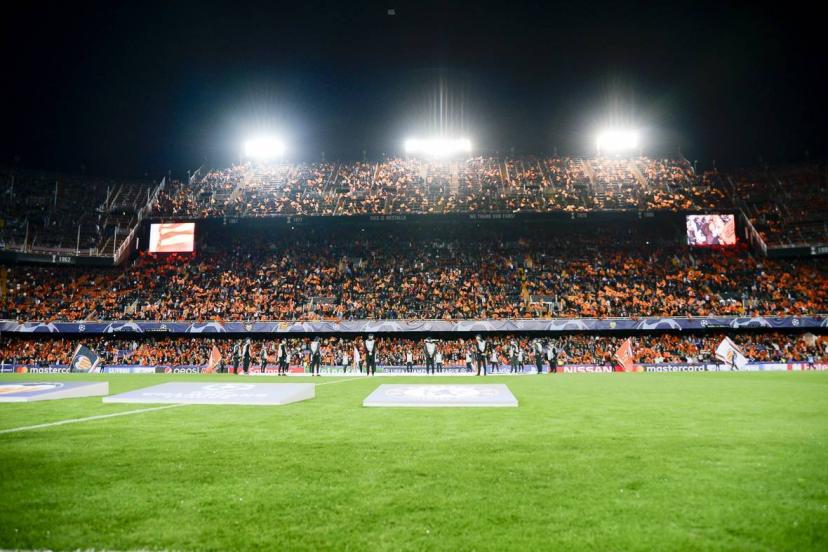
(127, 413)
(89, 418)
(341, 381)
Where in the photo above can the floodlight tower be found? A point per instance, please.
(437, 146)
(264, 148)
(617, 141)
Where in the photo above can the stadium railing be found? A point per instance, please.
(122, 251)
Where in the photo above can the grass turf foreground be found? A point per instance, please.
(729, 461)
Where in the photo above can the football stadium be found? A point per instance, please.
(413, 278)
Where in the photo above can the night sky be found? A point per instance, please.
(145, 88)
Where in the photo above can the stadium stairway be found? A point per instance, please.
(639, 177)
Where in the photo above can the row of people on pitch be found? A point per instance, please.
(280, 352)
(350, 353)
(242, 352)
(484, 355)
(480, 354)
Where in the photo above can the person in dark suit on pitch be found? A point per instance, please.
(263, 357)
(481, 350)
(316, 357)
(538, 350)
(236, 355)
(370, 355)
(430, 353)
(246, 356)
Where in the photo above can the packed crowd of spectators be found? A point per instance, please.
(46, 211)
(42, 211)
(406, 186)
(393, 351)
(213, 193)
(283, 190)
(601, 273)
(787, 206)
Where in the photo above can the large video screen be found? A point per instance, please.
(172, 237)
(703, 230)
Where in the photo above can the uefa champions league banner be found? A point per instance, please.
(419, 326)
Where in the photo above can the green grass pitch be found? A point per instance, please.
(701, 461)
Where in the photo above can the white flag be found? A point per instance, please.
(728, 352)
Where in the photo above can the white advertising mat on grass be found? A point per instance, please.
(218, 393)
(438, 395)
(47, 391)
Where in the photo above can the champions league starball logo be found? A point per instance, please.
(221, 387)
(12, 388)
(442, 392)
(384, 326)
(476, 325)
(123, 327)
(36, 327)
(440, 395)
(755, 322)
(658, 324)
(208, 327)
(557, 325)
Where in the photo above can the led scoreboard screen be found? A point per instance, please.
(706, 230)
(172, 237)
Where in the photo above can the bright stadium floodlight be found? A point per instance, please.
(437, 147)
(616, 141)
(264, 148)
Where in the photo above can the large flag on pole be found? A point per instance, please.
(625, 357)
(214, 360)
(730, 354)
(85, 359)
